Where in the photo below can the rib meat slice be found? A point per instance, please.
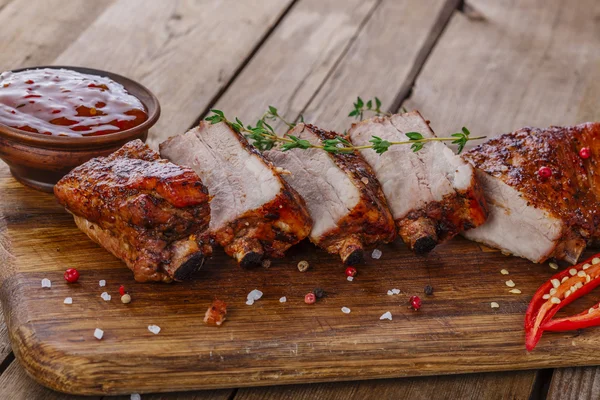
(342, 194)
(433, 193)
(254, 212)
(148, 212)
(538, 218)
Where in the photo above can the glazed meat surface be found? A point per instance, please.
(533, 217)
(254, 213)
(150, 213)
(433, 194)
(343, 196)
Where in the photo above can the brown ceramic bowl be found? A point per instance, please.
(40, 161)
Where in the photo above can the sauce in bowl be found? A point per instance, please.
(63, 102)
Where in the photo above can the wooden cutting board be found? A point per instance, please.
(268, 343)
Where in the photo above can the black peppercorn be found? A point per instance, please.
(319, 293)
(428, 290)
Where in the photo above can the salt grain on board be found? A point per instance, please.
(105, 296)
(253, 296)
(350, 278)
(376, 254)
(154, 329)
(68, 300)
(345, 310)
(283, 299)
(46, 283)
(396, 291)
(98, 333)
(390, 293)
(102, 283)
(135, 396)
(387, 315)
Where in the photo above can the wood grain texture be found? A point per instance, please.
(518, 63)
(382, 61)
(575, 384)
(299, 55)
(498, 386)
(35, 34)
(184, 51)
(15, 384)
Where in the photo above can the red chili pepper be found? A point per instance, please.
(586, 319)
(541, 310)
(121, 290)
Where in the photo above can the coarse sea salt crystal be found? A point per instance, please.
(396, 291)
(390, 293)
(345, 310)
(98, 333)
(253, 296)
(283, 299)
(376, 254)
(386, 315)
(105, 296)
(350, 278)
(46, 282)
(102, 283)
(68, 300)
(135, 396)
(154, 329)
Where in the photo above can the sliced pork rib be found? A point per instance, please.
(432, 193)
(533, 217)
(148, 212)
(253, 212)
(343, 196)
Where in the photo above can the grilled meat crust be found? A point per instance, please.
(148, 212)
(571, 195)
(267, 230)
(369, 222)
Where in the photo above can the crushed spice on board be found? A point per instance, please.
(215, 315)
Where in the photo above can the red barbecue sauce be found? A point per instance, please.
(62, 102)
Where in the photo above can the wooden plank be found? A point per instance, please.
(499, 72)
(382, 61)
(3, 3)
(35, 34)
(496, 386)
(190, 53)
(289, 75)
(575, 384)
(15, 384)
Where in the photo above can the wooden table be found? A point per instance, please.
(494, 65)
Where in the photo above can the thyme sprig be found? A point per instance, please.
(360, 107)
(264, 137)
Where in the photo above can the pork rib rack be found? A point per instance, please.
(148, 212)
(254, 213)
(342, 194)
(432, 193)
(534, 217)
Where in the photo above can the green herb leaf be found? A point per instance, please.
(416, 147)
(379, 145)
(414, 135)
